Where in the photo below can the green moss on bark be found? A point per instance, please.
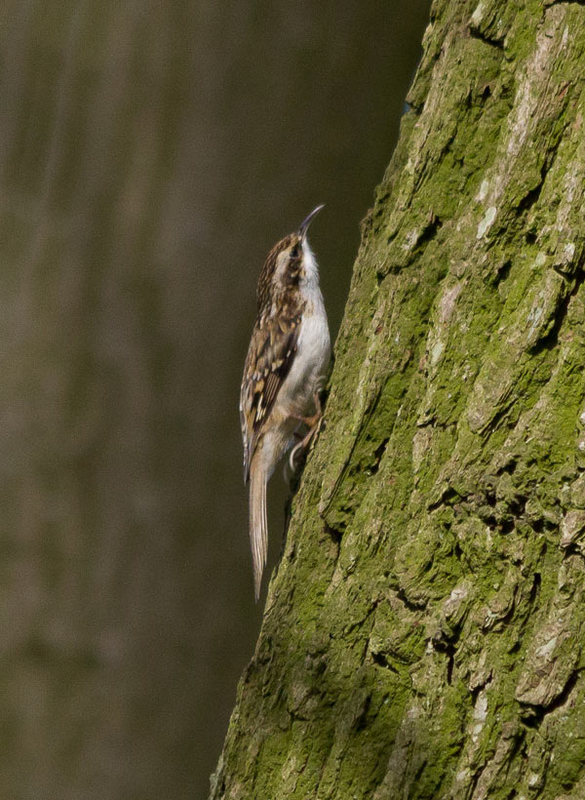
(423, 634)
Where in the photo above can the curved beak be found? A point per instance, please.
(307, 221)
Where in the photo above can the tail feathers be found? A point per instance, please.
(258, 525)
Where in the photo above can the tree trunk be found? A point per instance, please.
(423, 634)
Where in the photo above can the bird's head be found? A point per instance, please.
(286, 264)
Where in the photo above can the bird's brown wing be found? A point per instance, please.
(270, 356)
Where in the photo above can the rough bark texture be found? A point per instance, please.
(423, 635)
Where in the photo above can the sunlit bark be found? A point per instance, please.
(423, 635)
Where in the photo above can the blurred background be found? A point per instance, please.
(150, 155)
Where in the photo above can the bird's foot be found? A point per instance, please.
(313, 423)
(304, 445)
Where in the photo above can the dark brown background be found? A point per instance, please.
(150, 154)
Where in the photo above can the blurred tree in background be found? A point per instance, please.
(150, 154)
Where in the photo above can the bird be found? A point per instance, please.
(284, 372)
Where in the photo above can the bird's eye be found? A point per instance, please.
(294, 253)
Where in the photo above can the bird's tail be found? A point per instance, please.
(258, 524)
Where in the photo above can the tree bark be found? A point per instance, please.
(422, 636)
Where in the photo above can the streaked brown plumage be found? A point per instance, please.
(286, 364)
